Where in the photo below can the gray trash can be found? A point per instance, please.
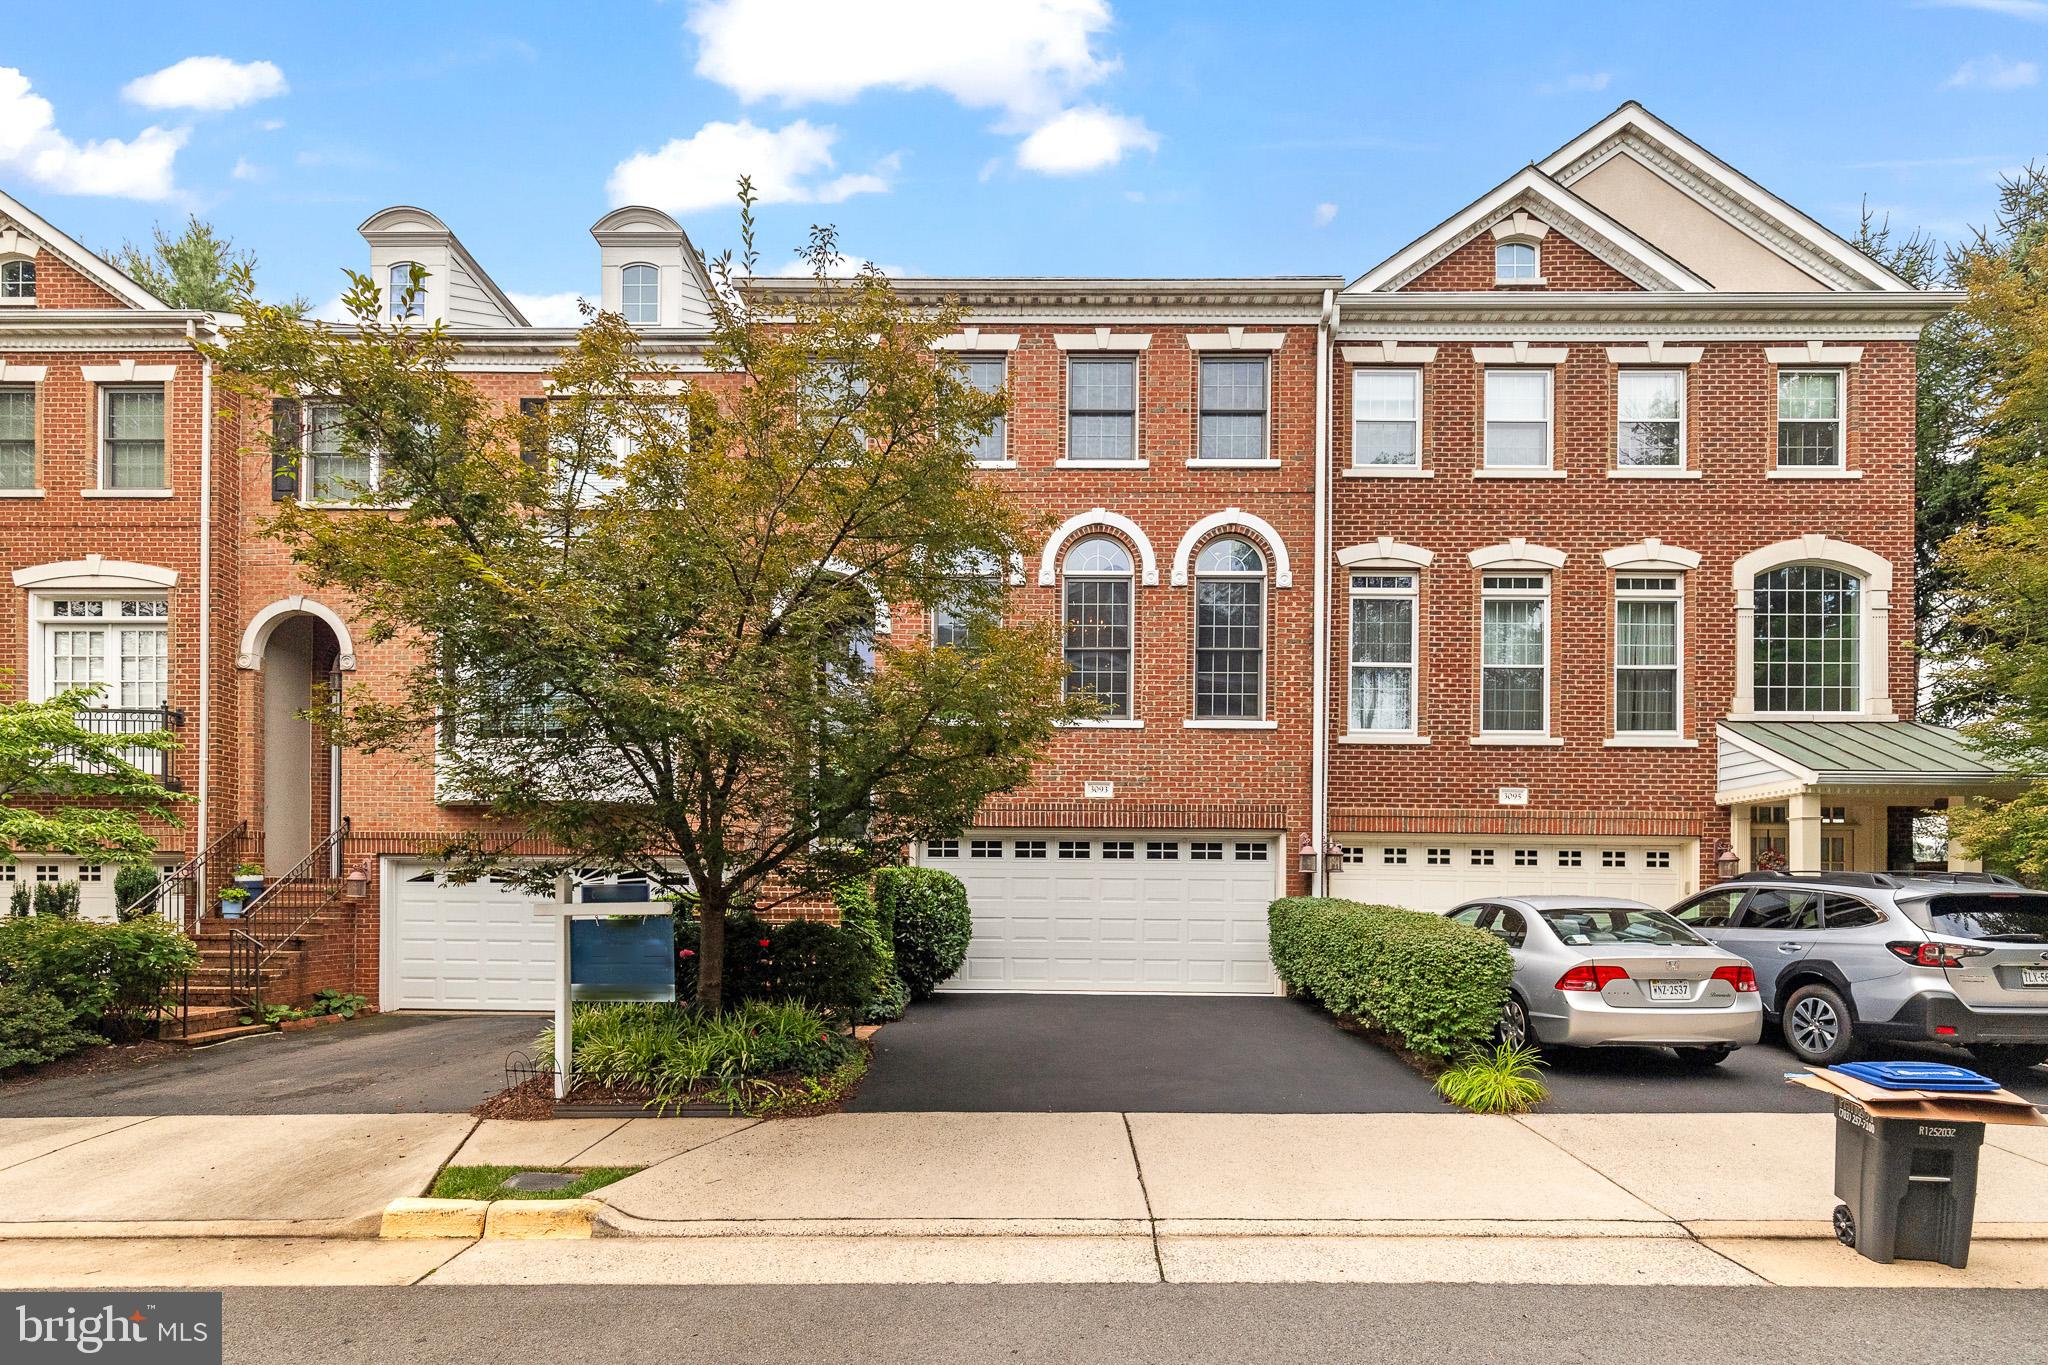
(1908, 1186)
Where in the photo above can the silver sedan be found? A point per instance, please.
(1596, 971)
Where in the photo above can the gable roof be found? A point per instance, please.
(74, 254)
(1720, 188)
(404, 225)
(1532, 189)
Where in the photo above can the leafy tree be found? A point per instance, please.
(644, 616)
(195, 269)
(68, 788)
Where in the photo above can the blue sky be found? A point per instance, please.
(1020, 137)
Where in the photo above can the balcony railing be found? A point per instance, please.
(137, 720)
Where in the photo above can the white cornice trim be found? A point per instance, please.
(1389, 353)
(1236, 339)
(96, 573)
(1049, 561)
(1520, 353)
(1517, 553)
(1813, 353)
(1103, 339)
(128, 372)
(1283, 568)
(1386, 553)
(1651, 555)
(1657, 352)
(974, 339)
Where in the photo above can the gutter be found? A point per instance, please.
(204, 776)
(1319, 707)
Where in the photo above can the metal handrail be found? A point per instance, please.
(247, 952)
(192, 870)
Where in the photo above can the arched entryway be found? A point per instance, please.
(298, 649)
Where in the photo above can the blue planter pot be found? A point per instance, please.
(231, 909)
(252, 885)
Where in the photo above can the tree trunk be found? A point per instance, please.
(711, 953)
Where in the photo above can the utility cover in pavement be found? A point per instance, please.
(540, 1181)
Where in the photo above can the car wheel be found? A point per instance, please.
(2015, 1061)
(1817, 1025)
(1513, 1028)
(1703, 1058)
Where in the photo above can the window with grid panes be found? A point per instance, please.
(1096, 597)
(1102, 408)
(1386, 419)
(17, 436)
(118, 645)
(640, 294)
(1646, 654)
(1809, 419)
(1233, 410)
(333, 473)
(1230, 631)
(1808, 652)
(1518, 419)
(17, 280)
(1382, 652)
(1650, 419)
(988, 374)
(132, 440)
(1514, 654)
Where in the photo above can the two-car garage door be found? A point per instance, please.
(1424, 872)
(1133, 913)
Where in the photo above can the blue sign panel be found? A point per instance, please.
(622, 959)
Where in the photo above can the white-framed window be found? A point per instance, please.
(1230, 631)
(942, 848)
(1383, 652)
(1102, 409)
(17, 281)
(988, 374)
(328, 472)
(1235, 395)
(17, 436)
(118, 644)
(1649, 419)
(952, 621)
(1514, 654)
(1649, 629)
(1096, 611)
(1809, 419)
(984, 848)
(1386, 419)
(1808, 640)
(1162, 851)
(640, 294)
(1515, 262)
(404, 308)
(132, 436)
(1518, 418)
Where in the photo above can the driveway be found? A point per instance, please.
(1134, 1054)
(379, 1064)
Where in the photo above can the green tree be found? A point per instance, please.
(66, 787)
(196, 269)
(646, 614)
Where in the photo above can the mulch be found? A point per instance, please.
(94, 1061)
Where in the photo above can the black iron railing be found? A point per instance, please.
(183, 893)
(280, 913)
(137, 720)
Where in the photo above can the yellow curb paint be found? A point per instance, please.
(433, 1218)
(540, 1219)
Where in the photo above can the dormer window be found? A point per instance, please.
(1514, 263)
(406, 304)
(17, 281)
(640, 294)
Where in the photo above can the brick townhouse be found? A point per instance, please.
(1568, 548)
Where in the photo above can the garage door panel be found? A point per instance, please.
(1432, 874)
(480, 946)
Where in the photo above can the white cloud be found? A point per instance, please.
(271, 125)
(1578, 83)
(32, 146)
(245, 169)
(549, 310)
(788, 165)
(207, 83)
(1325, 214)
(1084, 139)
(1993, 73)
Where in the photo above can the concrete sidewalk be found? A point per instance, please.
(994, 1198)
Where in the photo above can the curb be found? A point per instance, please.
(433, 1218)
(521, 1220)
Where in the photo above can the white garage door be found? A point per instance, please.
(474, 947)
(1429, 873)
(1137, 913)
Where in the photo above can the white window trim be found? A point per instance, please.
(115, 584)
(1412, 732)
(1049, 558)
(1132, 354)
(1676, 596)
(10, 254)
(1002, 355)
(1198, 460)
(394, 295)
(1548, 469)
(1684, 465)
(1840, 468)
(1265, 579)
(1543, 736)
(103, 390)
(1535, 264)
(1129, 720)
(1419, 469)
(1261, 529)
(1876, 598)
(635, 265)
(309, 464)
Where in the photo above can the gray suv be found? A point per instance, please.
(1847, 958)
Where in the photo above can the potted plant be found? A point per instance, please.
(231, 898)
(249, 876)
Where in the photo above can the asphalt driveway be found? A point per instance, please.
(379, 1064)
(1133, 1053)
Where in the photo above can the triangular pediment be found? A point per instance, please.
(22, 231)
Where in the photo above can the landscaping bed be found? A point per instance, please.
(488, 1182)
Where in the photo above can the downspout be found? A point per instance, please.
(204, 775)
(1319, 750)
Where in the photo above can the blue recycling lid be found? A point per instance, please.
(1917, 1076)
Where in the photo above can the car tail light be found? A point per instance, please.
(1935, 954)
(1588, 977)
(1743, 979)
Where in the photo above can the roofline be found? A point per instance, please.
(88, 262)
(1919, 306)
(1072, 288)
(1633, 112)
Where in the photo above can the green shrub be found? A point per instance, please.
(18, 904)
(862, 914)
(56, 899)
(932, 924)
(111, 977)
(1502, 1081)
(667, 1050)
(823, 965)
(37, 1027)
(1436, 984)
(132, 884)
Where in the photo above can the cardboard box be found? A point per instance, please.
(1939, 1106)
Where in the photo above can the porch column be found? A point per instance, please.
(1959, 859)
(1802, 850)
(1738, 836)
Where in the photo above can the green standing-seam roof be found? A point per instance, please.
(1873, 750)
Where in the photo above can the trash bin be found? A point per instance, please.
(1908, 1186)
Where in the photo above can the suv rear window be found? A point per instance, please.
(2008, 916)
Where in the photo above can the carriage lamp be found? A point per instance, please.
(356, 884)
(1728, 860)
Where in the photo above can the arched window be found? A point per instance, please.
(1808, 640)
(406, 303)
(17, 281)
(1230, 631)
(640, 294)
(1514, 262)
(1096, 601)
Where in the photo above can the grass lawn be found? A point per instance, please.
(487, 1182)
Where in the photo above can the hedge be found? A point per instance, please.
(930, 924)
(862, 914)
(1437, 985)
(830, 968)
(66, 982)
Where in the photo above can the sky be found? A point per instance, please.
(956, 137)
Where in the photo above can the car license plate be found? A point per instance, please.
(1671, 990)
(2034, 976)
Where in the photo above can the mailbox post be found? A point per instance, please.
(568, 909)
